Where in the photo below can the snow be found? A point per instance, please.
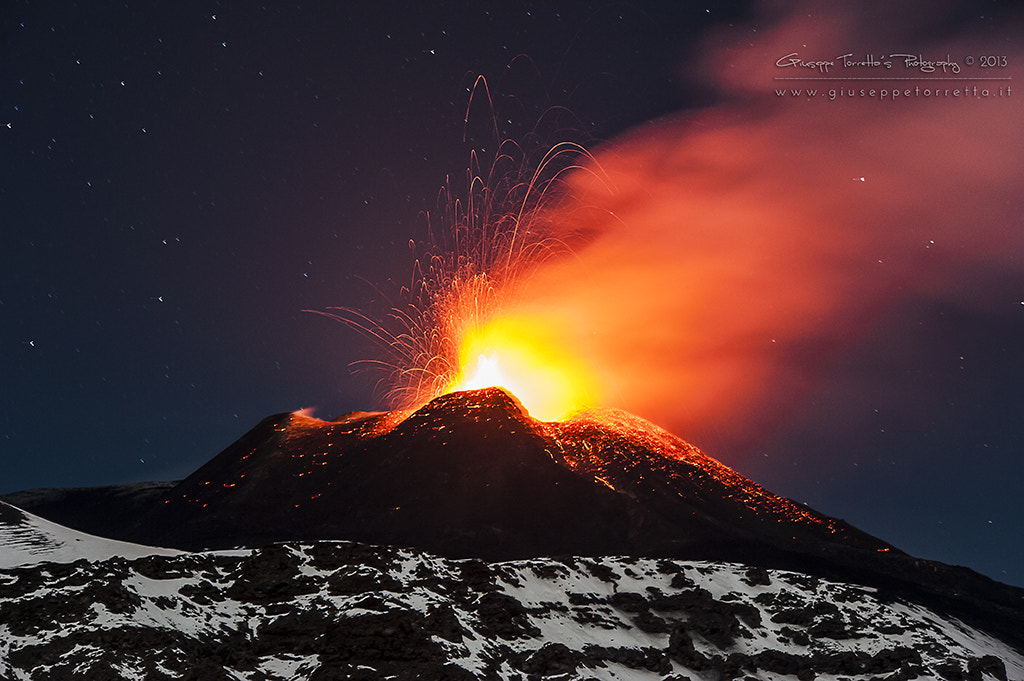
(287, 666)
(581, 603)
(27, 539)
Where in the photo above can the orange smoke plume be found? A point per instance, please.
(734, 250)
(726, 254)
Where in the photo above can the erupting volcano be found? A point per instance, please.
(500, 449)
(577, 317)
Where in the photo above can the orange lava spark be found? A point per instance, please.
(455, 330)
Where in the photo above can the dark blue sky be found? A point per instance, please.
(179, 183)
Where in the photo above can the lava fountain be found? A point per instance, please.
(456, 327)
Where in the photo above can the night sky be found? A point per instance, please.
(179, 183)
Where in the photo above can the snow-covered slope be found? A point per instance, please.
(26, 539)
(333, 610)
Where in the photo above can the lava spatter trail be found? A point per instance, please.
(453, 328)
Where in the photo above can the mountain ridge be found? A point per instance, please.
(332, 610)
(471, 475)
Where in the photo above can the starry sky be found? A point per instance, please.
(179, 183)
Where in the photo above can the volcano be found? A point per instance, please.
(471, 475)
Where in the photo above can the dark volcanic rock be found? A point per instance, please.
(470, 474)
(273, 614)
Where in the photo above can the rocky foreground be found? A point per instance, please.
(343, 610)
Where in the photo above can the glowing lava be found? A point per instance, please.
(519, 355)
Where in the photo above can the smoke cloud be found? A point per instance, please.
(736, 249)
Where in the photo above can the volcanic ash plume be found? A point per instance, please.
(740, 246)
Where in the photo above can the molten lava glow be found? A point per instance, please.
(520, 356)
(484, 373)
